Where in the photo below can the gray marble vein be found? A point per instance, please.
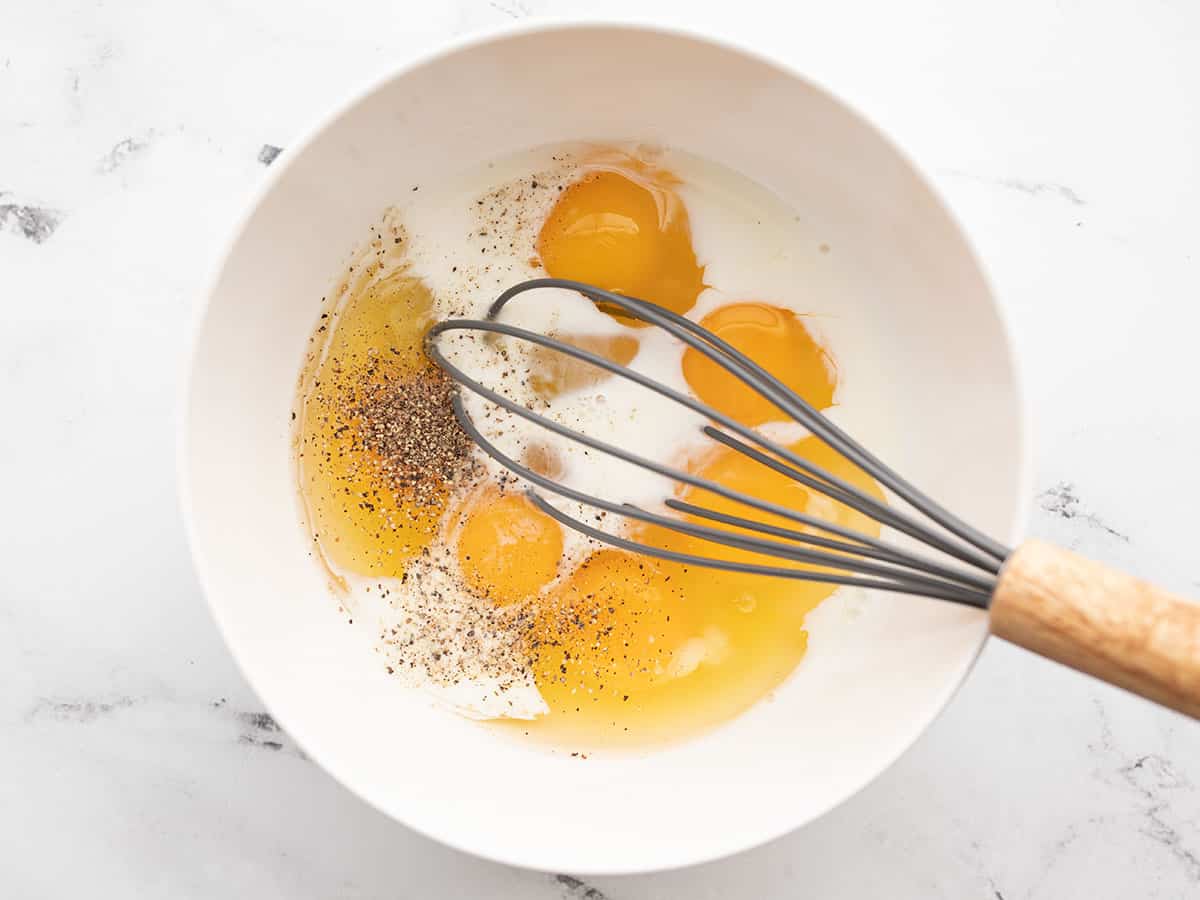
(122, 152)
(28, 220)
(1024, 186)
(514, 9)
(1061, 500)
(79, 711)
(578, 889)
(267, 153)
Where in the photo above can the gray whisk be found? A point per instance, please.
(846, 556)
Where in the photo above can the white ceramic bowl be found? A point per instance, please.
(943, 376)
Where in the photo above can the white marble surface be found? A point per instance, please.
(134, 759)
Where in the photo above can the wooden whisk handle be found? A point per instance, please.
(1100, 621)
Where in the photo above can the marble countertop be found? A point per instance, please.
(136, 761)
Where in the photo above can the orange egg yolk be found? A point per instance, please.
(508, 550)
(608, 632)
(640, 649)
(627, 233)
(777, 340)
(360, 523)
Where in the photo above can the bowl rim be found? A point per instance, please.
(317, 126)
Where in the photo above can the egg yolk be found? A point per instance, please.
(627, 233)
(508, 550)
(360, 523)
(777, 340)
(610, 630)
(640, 649)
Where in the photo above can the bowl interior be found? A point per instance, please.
(944, 411)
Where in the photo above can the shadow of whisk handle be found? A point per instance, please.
(1102, 622)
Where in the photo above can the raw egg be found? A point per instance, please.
(777, 340)
(626, 232)
(362, 521)
(508, 550)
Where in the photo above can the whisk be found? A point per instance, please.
(1048, 600)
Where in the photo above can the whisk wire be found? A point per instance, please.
(907, 586)
(857, 500)
(875, 549)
